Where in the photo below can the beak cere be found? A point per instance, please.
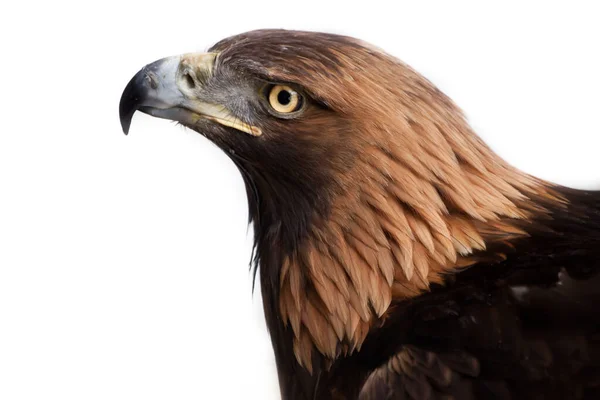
(168, 88)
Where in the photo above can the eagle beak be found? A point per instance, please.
(169, 89)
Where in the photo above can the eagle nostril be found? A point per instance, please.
(189, 81)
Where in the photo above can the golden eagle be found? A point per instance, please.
(399, 257)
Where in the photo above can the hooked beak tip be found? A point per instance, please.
(125, 124)
(131, 100)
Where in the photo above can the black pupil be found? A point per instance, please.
(284, 97)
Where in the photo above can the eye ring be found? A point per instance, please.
(283, 99)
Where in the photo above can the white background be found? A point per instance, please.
(123, 260)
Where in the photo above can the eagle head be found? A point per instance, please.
(365, 183)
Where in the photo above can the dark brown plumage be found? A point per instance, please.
(399, 256)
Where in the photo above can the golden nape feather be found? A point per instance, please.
(399, 256)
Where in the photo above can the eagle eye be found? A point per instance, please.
(284, 100)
